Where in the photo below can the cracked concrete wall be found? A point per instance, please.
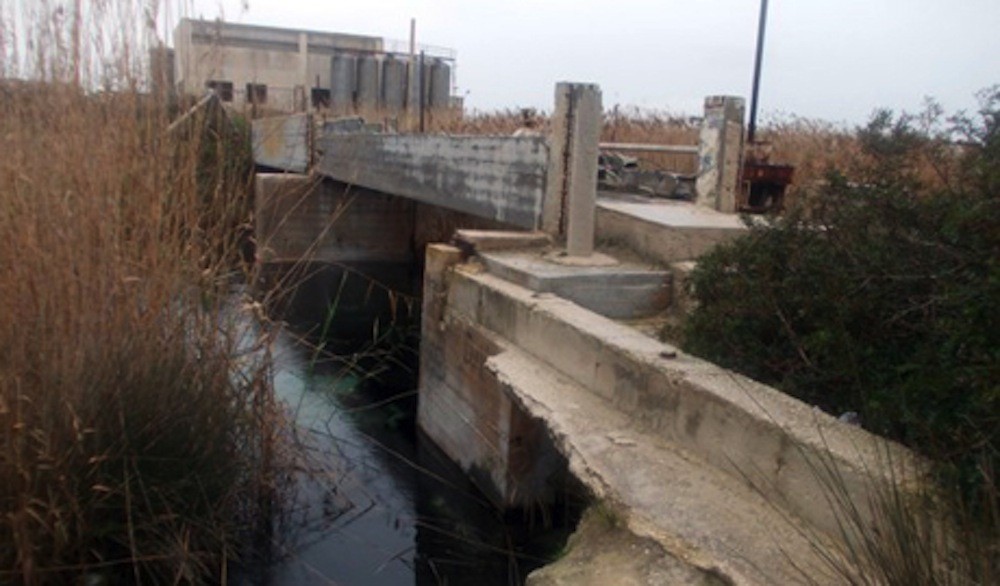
(732, 423)
(464, 408)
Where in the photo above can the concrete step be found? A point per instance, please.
(697, 514)
(622, 290)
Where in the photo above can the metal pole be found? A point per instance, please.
(761, 26)
(423, 105)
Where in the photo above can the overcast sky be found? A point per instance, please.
(831, 59)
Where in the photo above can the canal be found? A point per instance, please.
(376, 503)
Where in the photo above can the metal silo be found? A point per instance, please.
(367, 83)
(343, 71)
(393, 84)
(440, 84)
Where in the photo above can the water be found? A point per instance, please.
(378, 504)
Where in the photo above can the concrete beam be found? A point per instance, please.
(492, 177)
(720, 147)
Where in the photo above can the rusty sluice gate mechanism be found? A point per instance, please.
(763, 183)
(764, 186)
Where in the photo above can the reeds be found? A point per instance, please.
(137, 425)
(910, 530)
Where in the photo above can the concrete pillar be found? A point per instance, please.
(720, 153)
(300, 100)
(571, 195)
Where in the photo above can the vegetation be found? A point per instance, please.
(877, 296)
(137, 426)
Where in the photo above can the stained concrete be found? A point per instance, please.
(663, 230)
(618, 291)
(701, 516)
(718, 470)
(498, 178)
(603, 551)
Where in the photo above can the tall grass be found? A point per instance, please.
(136, 438)
(908, 530)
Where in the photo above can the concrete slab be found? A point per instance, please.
(602, 551)
(664, 230)
(619, 291)
(669, 213)
(718, 529)
(487, 240)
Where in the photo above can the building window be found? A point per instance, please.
(320, 97)
(256, 93)
(223, 89)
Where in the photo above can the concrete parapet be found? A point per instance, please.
(730, 422)
(498, 178)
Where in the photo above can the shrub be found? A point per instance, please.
(879, 298)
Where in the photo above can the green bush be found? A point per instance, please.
(881, 296)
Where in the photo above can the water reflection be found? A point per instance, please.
(378, 504)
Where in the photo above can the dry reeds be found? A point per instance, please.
(137, 425)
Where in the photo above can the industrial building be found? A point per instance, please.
(297, 70)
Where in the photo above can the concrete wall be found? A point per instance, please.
(462, 405)
(727, 421)
(303, 219)
(498, 178)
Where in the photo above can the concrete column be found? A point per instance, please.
(300, 99)
(571, 194)
(720, 153)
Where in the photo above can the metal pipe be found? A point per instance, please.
(761, 26)
(649, 148)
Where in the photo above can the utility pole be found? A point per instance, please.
(761, 26)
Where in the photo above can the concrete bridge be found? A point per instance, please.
(541, 300)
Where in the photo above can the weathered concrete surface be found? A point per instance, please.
(663, 230)
(492, 240)
(283, 142)
(620, 291)
(300, 218)
(506, 366)
(437, 224)
(498, 178)
(602, 551)
(729, 421)
(581, 188)
(462, 408)
(711, 522)
(721, 471)
(720, 152)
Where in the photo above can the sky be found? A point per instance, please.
(836, 60)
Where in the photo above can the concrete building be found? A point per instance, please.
(289, 70)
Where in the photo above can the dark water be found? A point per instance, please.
(378, 504)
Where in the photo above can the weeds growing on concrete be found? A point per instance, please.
(138, 432)
(907, 530)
